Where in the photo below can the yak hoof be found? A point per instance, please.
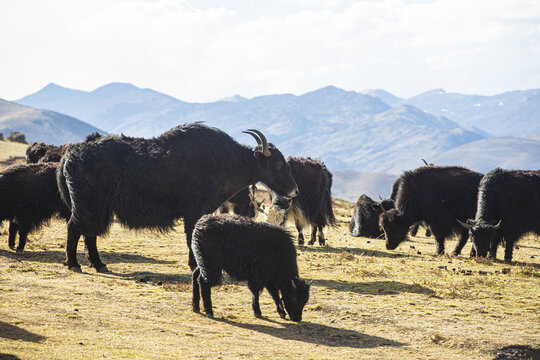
(209, 315)
(102, 269)
(282, 315)
(19, 250)
(76, 269)
(12, 247)
(196, 309)
(507, 261)
(258, 315)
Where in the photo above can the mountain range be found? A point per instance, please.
(366, 132)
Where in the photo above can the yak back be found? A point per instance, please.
(438, 195)
(244, 249)
(512, 196)
(314, 190)
(148, 183)
(30, 195)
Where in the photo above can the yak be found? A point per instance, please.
(313, 205)
(29, 198)
(365, 219)
(437, 195)
(260, 253)
(187, 172)
(508, 208)
(40, 152)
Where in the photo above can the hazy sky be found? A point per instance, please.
(205, 50)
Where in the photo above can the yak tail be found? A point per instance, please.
(62, 184)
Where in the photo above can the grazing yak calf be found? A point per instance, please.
(436, 194)
(313, 205)
(242, 203)
(260, 253)
(187, 172)
(29, 198)
(365, 218)
(508, 208)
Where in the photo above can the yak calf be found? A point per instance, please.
(261, 253)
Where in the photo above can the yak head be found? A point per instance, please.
(272, 168)
(295, 295)
(482, 234)
(394, 226)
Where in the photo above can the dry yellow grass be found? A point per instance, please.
(11, 152)
(366, 303)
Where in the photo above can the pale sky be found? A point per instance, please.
(205, 50)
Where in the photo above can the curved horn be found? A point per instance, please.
(425, 162)
(254, 135)
(293, 284)
(265, 150)
(465, 225)
(498, 225)
(380, 197)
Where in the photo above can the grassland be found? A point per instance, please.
(11, 152)
(366, 302)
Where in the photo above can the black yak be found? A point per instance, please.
(29, 198)
(437, 195)
(186, 172)
(262, 254)
(508, 208)
(41, 152)
(313, 205)
(365, 219)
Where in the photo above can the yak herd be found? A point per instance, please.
(193, 170)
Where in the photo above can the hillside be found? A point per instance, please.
(346, 129)
(349, 184)
(487, 154)
(42, 125)
(515, 113)
(11, 152)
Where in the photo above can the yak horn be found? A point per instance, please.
(380, 197)
(265, 150)
(498, 225)
(293, 284)
(425, 162)
(465, 225)
(254, 135)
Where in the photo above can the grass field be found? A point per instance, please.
(11, 152)
(366, 302)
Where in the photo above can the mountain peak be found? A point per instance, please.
(115, 88)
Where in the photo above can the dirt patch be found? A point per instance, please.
(518, 352)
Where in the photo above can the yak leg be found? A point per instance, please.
(71, 248)
(255, 292)
(414, 228)
(92, 254)
(313, 235)
(196, 297)
(13, 228)
(473, 252)
(300, 233)
(206, 297)
(509, 249)
(494, 244)
(322, 240)
(428, 230)
(189, 225)
(440, 244)
(463, 236)
(23, 235)
(274, 293)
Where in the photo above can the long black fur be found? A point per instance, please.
(511, 197)
(314, 200)
(436, 194)
(149, 183)
(29, 198)
(260, 253)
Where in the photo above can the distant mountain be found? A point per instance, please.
(346, 129)
(42, 125)
(382, 95)
(350, 184)
(515, 113)
(487, 154)
(535, 136)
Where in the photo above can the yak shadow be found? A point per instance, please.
(12, 332)
(153, 277)
(4, 356)
(355, 251)
(374, 287)
(53, 256)
(316, 334)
